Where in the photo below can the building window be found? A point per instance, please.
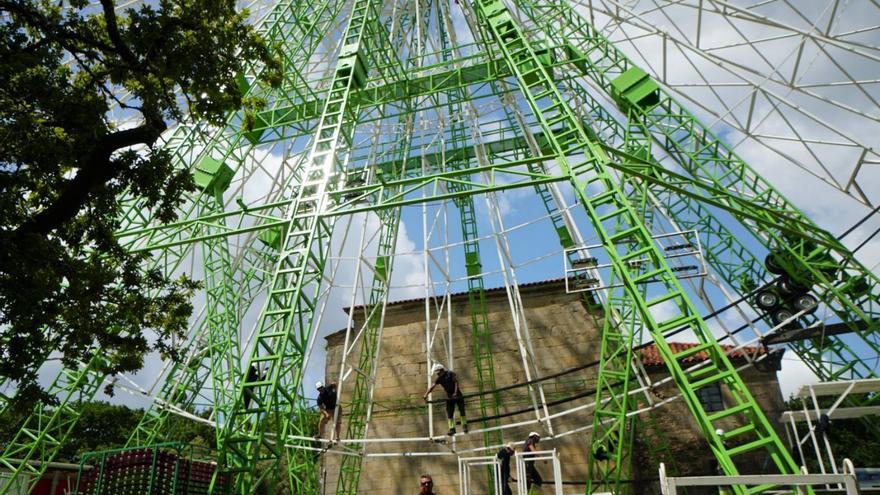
(710, 397)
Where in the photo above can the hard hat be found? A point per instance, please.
(437, 367)
(508, 445)
(319, 385)
(719, 432)
(534, 434)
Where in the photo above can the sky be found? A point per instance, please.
(801, 80)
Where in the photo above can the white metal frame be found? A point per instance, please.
(540, 455)
(669, 485)
(808, 415)
(464, 472)
(777, 101)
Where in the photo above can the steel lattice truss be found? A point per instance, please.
(429, 116)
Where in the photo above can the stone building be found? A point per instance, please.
(564, 335)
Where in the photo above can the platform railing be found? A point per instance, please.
(540, 455)
(847, 479)
(464, 473)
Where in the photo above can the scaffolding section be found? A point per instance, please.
(456, 154)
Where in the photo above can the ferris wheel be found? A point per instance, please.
(695, 170)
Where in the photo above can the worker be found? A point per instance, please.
(449, 381)
(426, 485)
(252, 376)
(533, 477)
(327, 406)
(504, 456)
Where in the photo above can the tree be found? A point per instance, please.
(65, 282)
(104, 426)
(101, 426)
(850, 438)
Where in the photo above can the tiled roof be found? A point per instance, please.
(650, 355)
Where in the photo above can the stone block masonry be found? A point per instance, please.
(564, 335)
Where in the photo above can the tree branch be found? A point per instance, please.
(97, 169)
(113, 33)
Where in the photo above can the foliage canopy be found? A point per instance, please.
(65, 282)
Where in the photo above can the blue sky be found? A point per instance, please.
(823, 105)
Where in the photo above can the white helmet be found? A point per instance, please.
(534, 434)
(509, 445)
(719, 432)
(319, 385)
(437, 367)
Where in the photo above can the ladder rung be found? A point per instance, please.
(614, 213)
(675, 323)
(647, 276)
(711, 379)
(748, 447)
(742, 430)
(572, 132)
(663, 298)
(272, 335)
(703, 369)
(694, 350)
(283, 291)
(619, 375)
(729, 412)
(275, 312)
(623, 234)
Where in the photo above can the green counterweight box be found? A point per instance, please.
(355, 64)
(212, 175)
(635, 88)
(273, 237)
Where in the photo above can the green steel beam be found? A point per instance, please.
(47, 428)
(411, 190)
(827, 355)
(619, 213)
(609, 461)
(286, 320)
(737, 265)
(360, 404)
(43, 432)
(188, 378)
(449, 74)
(625, 238)
(846, 286)
(481, 337)
(476, 71)
(725, 252)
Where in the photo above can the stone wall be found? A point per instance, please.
(564, 335)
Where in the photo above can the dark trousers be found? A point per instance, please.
(450, 407)
(533, 477)
(505, 488)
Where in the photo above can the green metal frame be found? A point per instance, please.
(610, 457)
(360, 403)
(286, 321)
(625, 238)
(851, 292)
(481, 337)
(542, 69)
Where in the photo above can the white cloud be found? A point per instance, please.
(827, 206)
(794, 374)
